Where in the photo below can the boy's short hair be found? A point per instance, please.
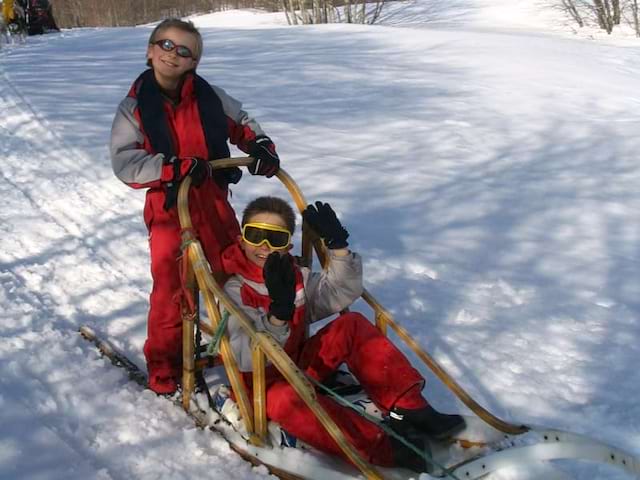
(185, 26)
(270, 205)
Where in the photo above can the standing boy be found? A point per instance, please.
(170, 125)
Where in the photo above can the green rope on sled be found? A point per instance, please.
(343, 401)
(214, 346)
(185, 244)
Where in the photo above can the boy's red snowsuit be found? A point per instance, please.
(214, 221)
(383, 371)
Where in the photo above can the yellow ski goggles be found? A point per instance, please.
(275, 237)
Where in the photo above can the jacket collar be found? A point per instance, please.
(187, 88)
(235, 262)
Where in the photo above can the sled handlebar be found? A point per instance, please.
(283, 176)
(309, 239)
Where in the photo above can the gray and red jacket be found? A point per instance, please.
(134, 160)
(318, 295)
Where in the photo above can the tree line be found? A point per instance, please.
(606, 14)
(114, 13)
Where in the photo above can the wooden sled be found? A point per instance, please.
(200, 282)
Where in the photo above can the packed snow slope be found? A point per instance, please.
(488, 174)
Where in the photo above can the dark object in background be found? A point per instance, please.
(38, 16)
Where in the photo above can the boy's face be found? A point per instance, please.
(258, 255)
(170, 65)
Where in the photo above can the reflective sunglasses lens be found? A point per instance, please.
(183, 51)
(166, 45)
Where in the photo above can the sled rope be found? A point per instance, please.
(185, 244)
(343, 401)
(214, 346)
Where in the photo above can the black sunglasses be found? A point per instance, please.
(169, 46)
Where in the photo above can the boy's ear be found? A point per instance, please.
(289, 247)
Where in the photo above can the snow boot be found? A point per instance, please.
(427, 420)
(164, 386)
(343, 383)
(404, 457)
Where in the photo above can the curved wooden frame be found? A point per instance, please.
(199, 273)
(264, 346)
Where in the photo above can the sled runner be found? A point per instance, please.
(486, 444)
(474, 453)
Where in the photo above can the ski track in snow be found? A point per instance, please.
(43, 179)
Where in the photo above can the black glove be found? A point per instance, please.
(266, 161)
(324, 222)
(199, 170)
(280, 279)
(226, 176)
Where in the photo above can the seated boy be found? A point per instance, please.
(283, 299)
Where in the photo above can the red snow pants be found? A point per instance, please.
(216, 227)
(382, 370)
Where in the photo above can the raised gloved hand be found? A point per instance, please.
(324, 222)
(280, 279)
(266, 161)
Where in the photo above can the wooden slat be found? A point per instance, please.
(259, 392)
(188, 360)
(188, 346)
(226, 352)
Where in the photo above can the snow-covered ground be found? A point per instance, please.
(485, 165)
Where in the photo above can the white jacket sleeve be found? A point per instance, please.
(132, 164)
(333, 290)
